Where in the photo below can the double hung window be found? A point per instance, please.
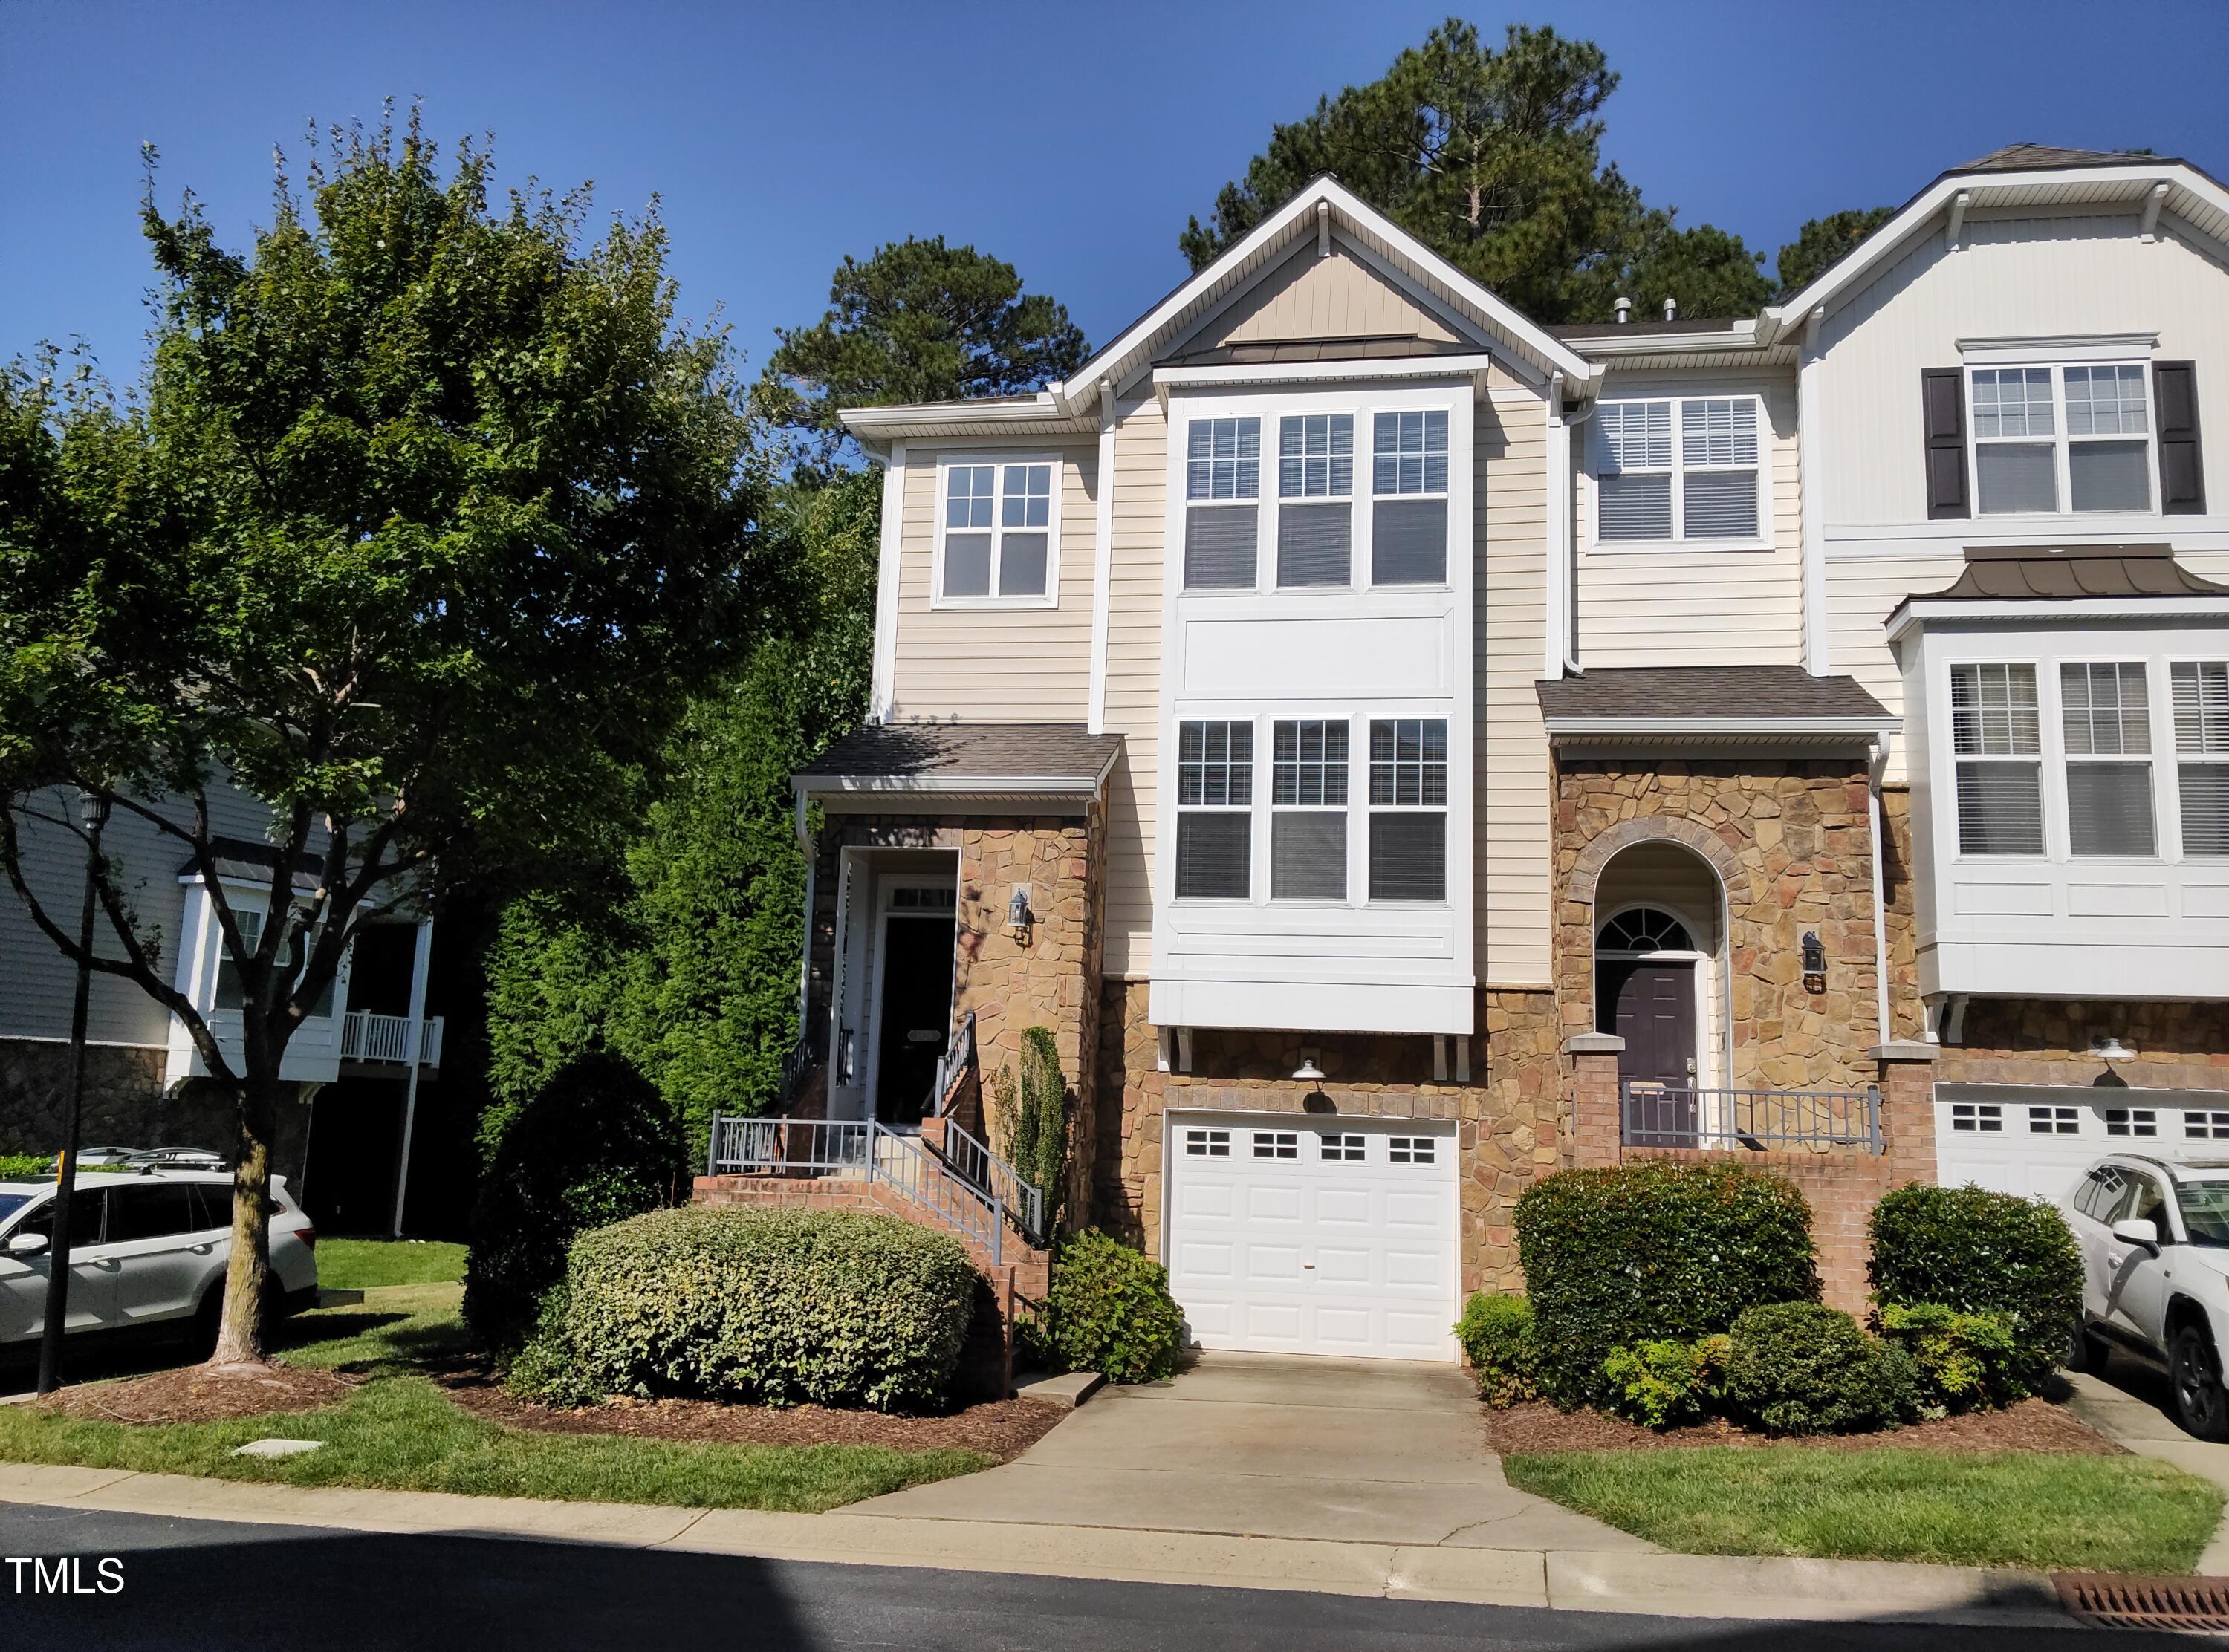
(1408, 809)
(2201, 692)
(1308, 820)
(1409, 509)
(1674, 470)
(1222, 488)
(1215, 810)
(1996, 735)
(2048, 439)
(1315, 500)
(2106, 716)
(998, 533)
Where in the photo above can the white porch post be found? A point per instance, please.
(415, 1050)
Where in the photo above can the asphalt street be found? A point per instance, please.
(209, 1583)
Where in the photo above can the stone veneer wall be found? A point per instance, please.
(126, 1105)
(1505, 1116)
(1791, 842)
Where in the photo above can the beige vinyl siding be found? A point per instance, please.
(1133, 680)
(1693, 605)
(1510, 825)
(1307, 297)
(2031, 277)
(994, 664)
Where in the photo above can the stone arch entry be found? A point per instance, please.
(1586, 871)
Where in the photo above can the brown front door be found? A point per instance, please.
(1652, 1006)
(915, 970)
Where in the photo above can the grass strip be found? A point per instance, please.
(362, 1263)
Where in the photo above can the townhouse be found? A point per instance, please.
(1400, 749)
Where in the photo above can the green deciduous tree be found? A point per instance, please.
(1493, 160)
(430, 518)
(1823, 241)
(918, 321)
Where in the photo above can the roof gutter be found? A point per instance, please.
(1917, 611)
(1719, 728)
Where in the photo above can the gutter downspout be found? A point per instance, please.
(1102, 561)
(1809, 468)
(1562, 617)
(1876, 771)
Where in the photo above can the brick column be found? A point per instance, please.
(1597, 1132)
(1907, 1085)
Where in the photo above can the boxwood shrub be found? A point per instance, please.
(1652, 1251)
(1801, 1368)
(1975, 1251)
(776, 1306)
(1107, 1310)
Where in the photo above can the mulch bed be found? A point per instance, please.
(2031, 1425)
(202, 1393)
(1003, 1429)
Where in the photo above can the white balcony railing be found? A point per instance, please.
(367, 1037)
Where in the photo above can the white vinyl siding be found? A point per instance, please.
(1133, 680)
(1510, 837)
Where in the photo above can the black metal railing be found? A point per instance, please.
(1652, 1114)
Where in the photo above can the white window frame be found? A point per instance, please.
(945, 463)
(1761, 540)
(2063, 480)
(2063, 761)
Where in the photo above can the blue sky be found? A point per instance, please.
(1071, 140)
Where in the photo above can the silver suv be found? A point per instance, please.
(147, 1254)
(2154, 1240)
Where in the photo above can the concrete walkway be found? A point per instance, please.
(1269, 1445)
(2128, 1403)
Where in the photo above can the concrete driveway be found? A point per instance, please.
(1270, 1446)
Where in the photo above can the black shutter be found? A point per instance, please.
(2183, 474)
(1942, 402)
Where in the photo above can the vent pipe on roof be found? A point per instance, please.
(1670, 310)
(1624, 308)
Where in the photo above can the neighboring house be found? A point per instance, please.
(1400, 749)
(146, 1084)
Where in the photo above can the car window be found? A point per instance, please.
(2148, 1204)
(2107, 1192)
(2205, 1207)
(12, 1202)
(151, 1210)
(84, 1219)
(212, 1205)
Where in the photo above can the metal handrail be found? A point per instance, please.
(975, 1164)
(795, 1064)
(949, 1066)
(1755, 1120)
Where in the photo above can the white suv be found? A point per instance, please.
(2154, 1240)
(147, 1253)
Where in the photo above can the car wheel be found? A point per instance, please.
(2201, 1404)
(2086, 1350)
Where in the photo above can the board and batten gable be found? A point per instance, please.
(2067, 276)
(994, 663)
(1312, 297)
(1693, 603)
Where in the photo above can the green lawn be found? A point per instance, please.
(401, 1431)
(358, 1264)
(2038, 1510)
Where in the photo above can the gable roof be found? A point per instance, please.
(2020, 174)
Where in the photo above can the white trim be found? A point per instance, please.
(1563, 530)
(1102, 563)
(2052, 611)
(1681, 540)
(877, 960)
(881, 697)
(90, 1043)
(2061, 439)
(1000, 461)
(1856, 727)
(2045, 351)
(1810, 467)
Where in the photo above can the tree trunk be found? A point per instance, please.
(247, 1275)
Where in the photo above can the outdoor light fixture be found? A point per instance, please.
(1018, 916)
(1308, 1071)
(1815, 962)
(2109, 1050)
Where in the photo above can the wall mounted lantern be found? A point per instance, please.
(1018, 916)
(1815, 962)
(1308, 1071)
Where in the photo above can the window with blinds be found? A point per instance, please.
(1315, 502)
(2200, 690)
(1222, 483)
(2052, 438)
(1215, 803)
(1674, 471)
(1408, 809)
(2105, 714)
(1996, 735)
(1308, 805)
(1409, 509)
(998, 532)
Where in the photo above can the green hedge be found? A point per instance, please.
(1107, 1310)
(1975, 1251)
(1652, 1251)
(26, 1167)
(1801, 1368)
(1499, 1339)
(1965, 1361)
(775, 1307)
(597, 1145)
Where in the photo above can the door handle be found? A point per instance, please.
(1309, 1265)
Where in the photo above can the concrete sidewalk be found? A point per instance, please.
(1624, 1581)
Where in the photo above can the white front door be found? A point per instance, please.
(1303, 1234)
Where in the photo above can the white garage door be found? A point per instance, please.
(1315, 1236)
(2036, 1148)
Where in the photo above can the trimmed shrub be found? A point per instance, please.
(1666, 1383)
(1964, 1361)
(597, 1145)
(1109, 1310)
(1975, 1251)
(1652, 1251)
(1497, 1338)
(1801, 1368)
(775, 1307)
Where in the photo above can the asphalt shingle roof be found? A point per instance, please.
(964, 752)
(2027, 158)
(1761, 693)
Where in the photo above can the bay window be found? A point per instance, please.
(1408, 809)
(1307, 802)
(996, 533)
(2051, 439)
(2201, 692)
(1679, 469)
(1996, 734)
